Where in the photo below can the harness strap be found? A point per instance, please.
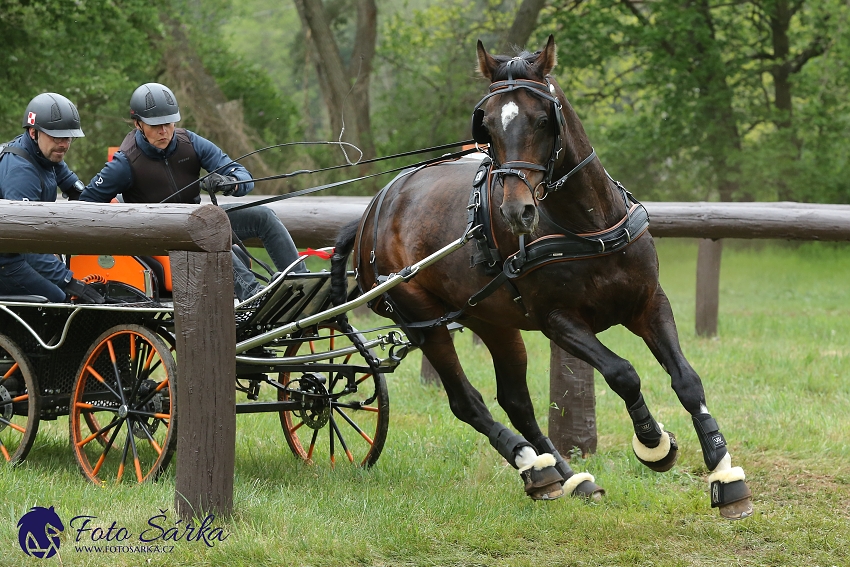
(478, 213)
(560, 182)
(564, 247)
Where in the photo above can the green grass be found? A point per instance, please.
(439, 495)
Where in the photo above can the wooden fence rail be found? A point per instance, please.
(197, 240)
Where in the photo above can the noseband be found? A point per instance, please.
(545, 91)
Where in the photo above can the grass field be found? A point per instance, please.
(776, 380)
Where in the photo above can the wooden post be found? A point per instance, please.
(572, 409)
(206, 393)
(428, 374)
(708, 286)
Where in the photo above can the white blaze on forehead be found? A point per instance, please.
(509, 112)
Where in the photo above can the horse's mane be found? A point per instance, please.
(521, 68)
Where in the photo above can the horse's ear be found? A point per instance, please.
(548, 58)
(487, 64)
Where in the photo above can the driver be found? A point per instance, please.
(32, 166)
(156, 160)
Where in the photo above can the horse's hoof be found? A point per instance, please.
(660, 458)
(582, 485)
(550, 492)
(737, 510)
(734, 498)
(543, 484)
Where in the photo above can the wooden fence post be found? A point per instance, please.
(206, 394)
(428, 374)
(572, 409)
(708, 286)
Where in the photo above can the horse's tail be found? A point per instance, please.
(342, 249)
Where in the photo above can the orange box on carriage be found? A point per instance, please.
(125, 269)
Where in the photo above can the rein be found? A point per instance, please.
(453, 155)
(311, 171)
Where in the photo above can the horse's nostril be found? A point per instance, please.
(529, 213)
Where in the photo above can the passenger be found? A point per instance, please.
(157, 160)
(31, 168)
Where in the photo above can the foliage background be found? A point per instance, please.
(680, 98)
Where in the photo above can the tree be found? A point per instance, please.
(345, 86)
(47, 47)
(689, 86)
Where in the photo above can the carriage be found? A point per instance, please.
(111, 368)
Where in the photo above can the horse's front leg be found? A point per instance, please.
(509, 361)
(653, 446)
(657, 327)
(466, 402)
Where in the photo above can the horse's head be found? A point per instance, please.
(521, 119)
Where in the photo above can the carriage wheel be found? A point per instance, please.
(123, 415)
(330, 424)
(20, 408)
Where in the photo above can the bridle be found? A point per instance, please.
(517, 168)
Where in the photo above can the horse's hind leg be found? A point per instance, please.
(653, 446)
(509, 361)
(729, 492)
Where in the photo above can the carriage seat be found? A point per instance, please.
(24, 298)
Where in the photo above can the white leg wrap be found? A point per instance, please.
(573, 482)
(525, 459)
(656, 453)
(725, 473)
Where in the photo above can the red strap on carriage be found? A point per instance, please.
(320, 253)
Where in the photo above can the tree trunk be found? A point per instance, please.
(345, 88)
(525, 22)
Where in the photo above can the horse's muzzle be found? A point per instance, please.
(522, 219)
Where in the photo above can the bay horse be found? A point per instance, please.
(563, 249)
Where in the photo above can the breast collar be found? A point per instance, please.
(561, 247)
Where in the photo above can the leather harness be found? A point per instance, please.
(548, 249)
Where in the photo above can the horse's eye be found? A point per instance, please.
(542, 123)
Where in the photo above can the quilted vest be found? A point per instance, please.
(155, 179)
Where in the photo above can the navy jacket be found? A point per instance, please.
(21, 181)
(116, 176)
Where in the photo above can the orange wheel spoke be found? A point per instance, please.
(10, 371)
(6, 454)
(97, 376)
(20, 398)
(111, 351)
(17, 427)
(161, 385)
(99, 464)
(354, 426)
(296, 428)
(155, 446)
(149, 359)
(361, 380)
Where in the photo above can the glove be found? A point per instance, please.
(83, 292)
(212, 184)
(73, 192)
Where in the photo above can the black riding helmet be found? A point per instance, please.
(54, 115)
(154, 104)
